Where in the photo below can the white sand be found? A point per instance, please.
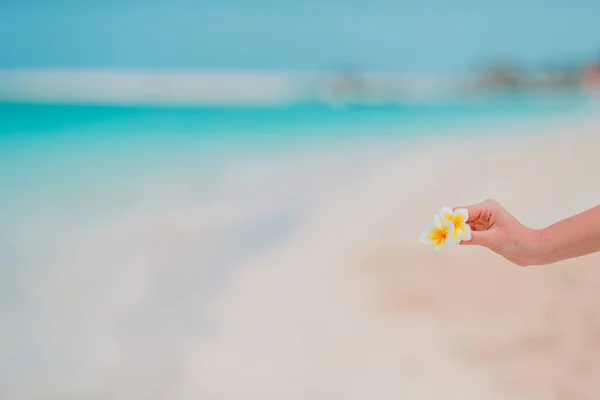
(349, 306)
(353, 307)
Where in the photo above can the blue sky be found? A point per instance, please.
(426, 35)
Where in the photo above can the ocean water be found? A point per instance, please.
(45, 136)
(120, 222)
(61, 153)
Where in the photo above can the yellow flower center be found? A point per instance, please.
(439, 235)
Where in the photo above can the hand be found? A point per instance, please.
(495, 228)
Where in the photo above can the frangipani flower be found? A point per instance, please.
(439, 233)
(459, 218)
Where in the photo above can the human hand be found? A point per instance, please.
(493, 227)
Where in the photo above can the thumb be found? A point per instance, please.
(479, 238)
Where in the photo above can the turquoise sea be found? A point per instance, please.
(49, 147)
(214, 133)
(119, 221)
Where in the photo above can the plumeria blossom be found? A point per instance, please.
(459, 217)
(447, 228)
(439, 233)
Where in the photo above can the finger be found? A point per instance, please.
(482, 238)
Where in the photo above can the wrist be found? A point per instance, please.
(543, 247)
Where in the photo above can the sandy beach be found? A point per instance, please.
(351, 306)
(166, 289)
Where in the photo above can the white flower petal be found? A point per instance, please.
(463, 213)
(424, 238)
(446, 213)
(437, 221)
(438, 247)
(453, 242)
(467, 233)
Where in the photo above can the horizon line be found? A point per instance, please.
(185, 86)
